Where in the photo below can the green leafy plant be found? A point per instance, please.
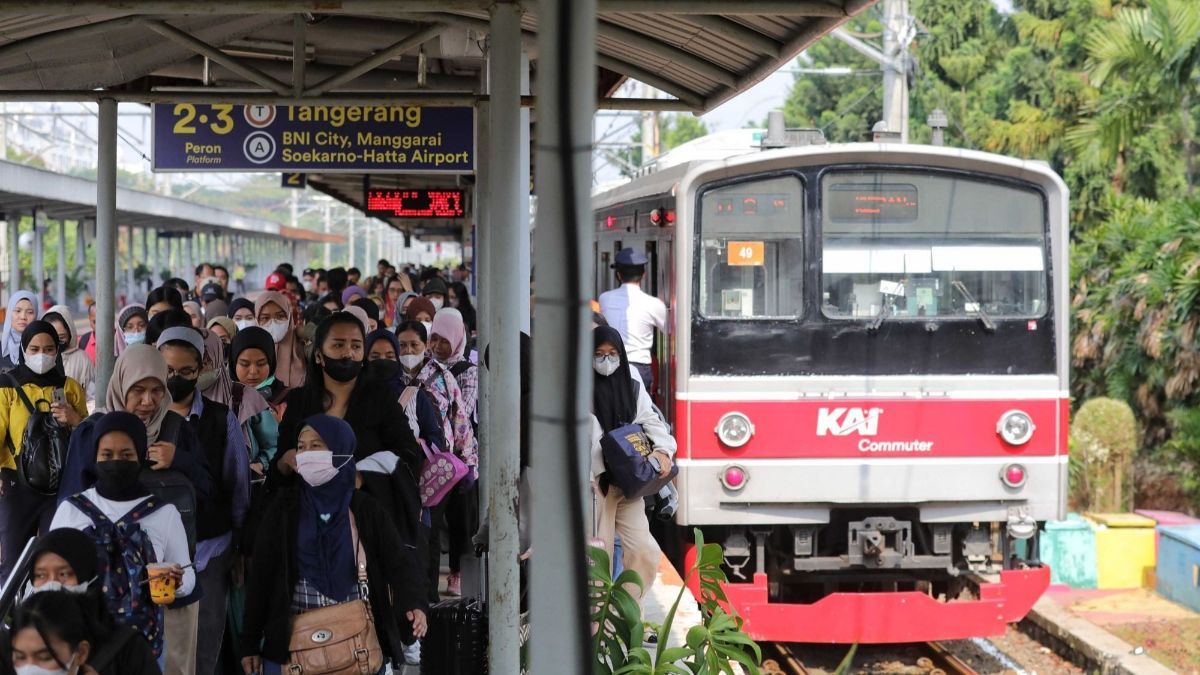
(1104, 436)
(712, 647)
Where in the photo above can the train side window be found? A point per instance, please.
(604, 274)
(751, 253)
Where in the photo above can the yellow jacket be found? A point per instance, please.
(14, 415)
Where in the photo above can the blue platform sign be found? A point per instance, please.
(337, 138)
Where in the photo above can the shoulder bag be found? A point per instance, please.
(626, 451)
(340, 639)
(442, 470)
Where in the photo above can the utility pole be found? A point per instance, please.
(898, 32)
(328, 229)
(650, 141)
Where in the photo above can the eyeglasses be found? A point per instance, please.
(186, 373)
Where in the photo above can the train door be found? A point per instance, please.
(658, 283)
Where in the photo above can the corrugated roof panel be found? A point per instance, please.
(679, 33)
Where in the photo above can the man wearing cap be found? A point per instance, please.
(436, 290)
(634, 313)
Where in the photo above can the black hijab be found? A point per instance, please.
(56, 376)
(251, 337)
(133, 427)
(242, 303)
(71, 545)
(613, 399)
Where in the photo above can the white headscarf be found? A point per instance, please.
(10, 340)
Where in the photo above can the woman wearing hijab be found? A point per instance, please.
(195, 312)
(242, 313)
(394, 290)
(22, 309)
(132, 322)
(273, 311)
(65, 560)
(224, 328)
(224, 446)
(436, 380)
(618, 400)
(421, 309)
(121, 516)
(387, 454)
(383, 363)
(460, 299)
(215, 308)
(352, 293)
(308, 548)
(214, 380)
(252, 364)
(76, 363)
(398, 314)
(39, 372)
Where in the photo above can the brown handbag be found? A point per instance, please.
(340, 639)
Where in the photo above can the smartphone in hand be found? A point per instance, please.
(60, 396)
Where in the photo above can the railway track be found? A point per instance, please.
(926, 658)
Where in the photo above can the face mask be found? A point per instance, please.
(116, 477)
(428, 327)
(244, 324)
(437, 302)
(31, 669)
(385, 368)
(411, 361)
(40, 363)
(606, 365)
(134, 338)
(207, 379)
(341, 370)
(316, 466)
(180, 387)
(278, 329)
(52, 586)
(266, 384)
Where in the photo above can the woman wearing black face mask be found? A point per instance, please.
(387, 455)
(225, 449)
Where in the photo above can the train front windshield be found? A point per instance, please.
(908, 245)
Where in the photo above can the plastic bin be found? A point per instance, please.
(1124, 550)
(1179, 565)
(1166, 518)
(1069, 548)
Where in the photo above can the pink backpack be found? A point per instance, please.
(443, 470)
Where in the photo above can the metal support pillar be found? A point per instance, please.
(39, 258)
(106, 241)
(147, 259)
(524, 268)
(189, 257)
(80, 260)
(60, 270)
(562, 379)
(508, 186)
(328, 229)
(14, 252)
(351, 223)
(130, 283)
(483, 302)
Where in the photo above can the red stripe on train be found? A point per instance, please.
(874, 428)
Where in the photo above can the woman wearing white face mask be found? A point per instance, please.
(38, 374)
(65, 560)
(618, 400)
(314, 539)
(273, 311)
(52, 634)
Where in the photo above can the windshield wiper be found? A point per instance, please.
(988, 324)
(884, 312)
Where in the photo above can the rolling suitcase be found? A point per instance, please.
(457, 640)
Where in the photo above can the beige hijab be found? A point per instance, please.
(135, 364)
(290, 363)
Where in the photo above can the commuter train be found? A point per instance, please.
(866, 370)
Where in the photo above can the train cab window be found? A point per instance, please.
(907, 245)
(751, 249)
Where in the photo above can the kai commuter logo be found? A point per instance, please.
(845, 421)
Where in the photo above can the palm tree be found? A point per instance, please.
(1144, 61)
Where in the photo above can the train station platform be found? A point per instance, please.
(1136, 630)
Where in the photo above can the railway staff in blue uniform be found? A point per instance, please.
(633, 312)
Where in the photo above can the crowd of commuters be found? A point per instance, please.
(257, 460)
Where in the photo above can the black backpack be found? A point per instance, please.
(172, 486)
(44, 446)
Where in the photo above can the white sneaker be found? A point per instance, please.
(412, 654)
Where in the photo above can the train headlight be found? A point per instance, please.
(734, 429)
(1013, 475)
(1015, 427)
(734, 478)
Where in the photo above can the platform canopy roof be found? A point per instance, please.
(700, 52)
